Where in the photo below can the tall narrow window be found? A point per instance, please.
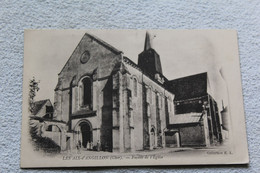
(87, 92)
(148, 95)
(161, 101)
(135, 87)
(151, 93)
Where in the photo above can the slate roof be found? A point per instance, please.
(147, 43)
(189, 87)
(186, 118)
(38, 106)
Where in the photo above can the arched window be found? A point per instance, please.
(87, 92)
(152, 130)
(170, 105)
(53, 128)
(148, 94)
(135, 87)
(151, 96)
(161, 101)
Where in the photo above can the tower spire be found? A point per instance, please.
(149, 60)
(147, 43)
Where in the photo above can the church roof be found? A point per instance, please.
(189, 87)
(103, 43)
(133, 64)
(98, 40)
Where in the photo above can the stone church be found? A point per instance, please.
(106, 99)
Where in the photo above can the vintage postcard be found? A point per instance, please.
(132, 97)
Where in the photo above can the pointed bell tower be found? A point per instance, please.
(149, 60)
(147, 43)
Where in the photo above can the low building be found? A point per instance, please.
(42, 126)
(196, 121)
(43, 109)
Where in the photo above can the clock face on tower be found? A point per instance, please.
(85, 57)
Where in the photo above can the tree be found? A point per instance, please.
(33, 88)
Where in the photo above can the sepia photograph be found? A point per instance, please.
(132, 98)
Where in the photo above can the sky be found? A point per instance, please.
(182, 53)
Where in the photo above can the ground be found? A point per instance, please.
(165, 152)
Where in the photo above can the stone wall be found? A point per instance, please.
(68, 93)
(145, 106)
(99, 67)
(192, 136)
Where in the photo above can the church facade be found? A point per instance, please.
(113, 103)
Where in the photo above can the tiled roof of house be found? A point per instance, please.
(186, 118)
(38, 105)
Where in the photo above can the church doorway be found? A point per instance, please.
(152, 133)
(86, 134)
